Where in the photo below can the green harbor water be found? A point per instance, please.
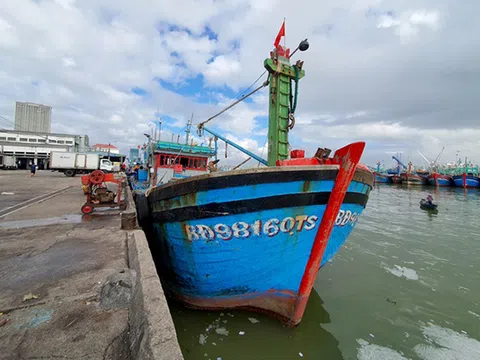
(405, 286)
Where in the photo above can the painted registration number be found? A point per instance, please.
(270, 228)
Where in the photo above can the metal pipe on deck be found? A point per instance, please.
(238, 147)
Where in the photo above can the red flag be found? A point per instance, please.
(279, 35)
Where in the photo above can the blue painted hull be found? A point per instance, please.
(383, 179)
(470, 181)
(247, 245)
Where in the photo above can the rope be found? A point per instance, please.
(265, 83)
(293, 99)
(251, 86)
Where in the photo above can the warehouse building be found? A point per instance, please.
(24, 147)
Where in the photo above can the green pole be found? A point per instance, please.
(281, 74)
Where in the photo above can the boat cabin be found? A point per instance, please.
(173, 160)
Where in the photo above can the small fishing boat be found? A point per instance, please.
(255, 238)
(425, 205)
(171, 160)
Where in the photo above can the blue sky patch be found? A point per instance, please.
(139, 91)
(164, 27)
(212, 35)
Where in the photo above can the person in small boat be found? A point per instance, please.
(430, 200)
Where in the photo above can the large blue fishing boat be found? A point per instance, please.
(256, 238)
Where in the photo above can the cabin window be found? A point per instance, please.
(32, 140)
(184, 161)
(12, 139)
(24, 139)
(3, 138)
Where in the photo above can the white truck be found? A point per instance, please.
(78, 163)
(7, 162)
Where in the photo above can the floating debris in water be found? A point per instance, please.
(474, 314)
(241, 333)
(253, 320)
(7, 193)
(202, 339)
(369, 351)
(300, 354)
(444, 343)
(231, 315)
(401, 271)
(391, 301)
(214, 344)
(221, 331)
(371, 335)
(221, 314)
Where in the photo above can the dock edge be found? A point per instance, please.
(152, 332)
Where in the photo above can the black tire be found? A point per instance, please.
(143, 210)
(69, 172)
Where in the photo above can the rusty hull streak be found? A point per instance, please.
(278, 304)
(307, 185)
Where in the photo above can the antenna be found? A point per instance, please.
(159, 121)
(187, 132)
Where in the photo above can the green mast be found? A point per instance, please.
(282, 102)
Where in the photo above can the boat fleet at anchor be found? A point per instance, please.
(464, 175)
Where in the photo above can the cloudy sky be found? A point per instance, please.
(400, 75)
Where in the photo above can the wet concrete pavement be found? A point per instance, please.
(58, 269)
(16, 186)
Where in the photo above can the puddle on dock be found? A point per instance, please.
(65, 219)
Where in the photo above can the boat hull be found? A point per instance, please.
(412, 179)
(468, 181)
(382, 178)
(243, 240)
(440, 180)
(396, 179)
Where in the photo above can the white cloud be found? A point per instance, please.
(410, 23)
(221, 68)
(84, 57)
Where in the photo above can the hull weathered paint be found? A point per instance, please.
(246, 239)
(382, 178)
(467, 181)
(396, 179)
(413, 179)
(436, 179)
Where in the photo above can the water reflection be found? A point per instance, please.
(252, 340)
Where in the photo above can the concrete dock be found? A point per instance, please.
(74, 286)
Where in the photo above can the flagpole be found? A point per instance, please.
(284, 35)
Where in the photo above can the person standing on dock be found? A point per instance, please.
(33, 169)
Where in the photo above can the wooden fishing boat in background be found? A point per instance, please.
(466, 175)
(412, 178)
(438, 179)
(255, 238)
(381, 176)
